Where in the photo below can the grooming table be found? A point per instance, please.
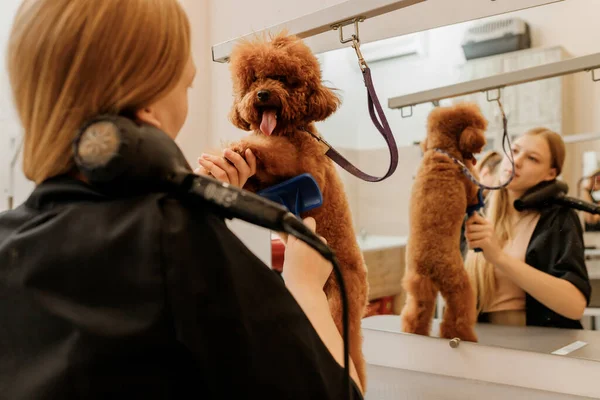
(507, 363)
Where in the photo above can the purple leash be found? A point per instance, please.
(383, 127)
(377, 116)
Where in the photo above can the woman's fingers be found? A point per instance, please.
(251, 159)
(215, 170)
(222, 169)
(471, 236)
(239, 163)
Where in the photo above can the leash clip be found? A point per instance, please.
(361, 60)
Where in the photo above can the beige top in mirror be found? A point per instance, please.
(509, 296)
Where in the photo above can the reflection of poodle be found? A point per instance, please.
(440, 195)
(279, 95)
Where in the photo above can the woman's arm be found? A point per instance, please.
(315, 306)
(555, 292)
(305, 273)
(558, 294)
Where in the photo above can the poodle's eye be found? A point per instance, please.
(279, 78)
(295, 83)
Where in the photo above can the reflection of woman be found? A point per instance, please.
(532, 269)
(592, 221)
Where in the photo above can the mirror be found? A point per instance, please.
(589, 184)
(595, 190)
(444, 56)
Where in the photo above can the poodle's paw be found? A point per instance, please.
(451, 330)
(240, 148)
(418, 326)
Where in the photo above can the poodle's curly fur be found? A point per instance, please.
(278, 95)
(439, 198)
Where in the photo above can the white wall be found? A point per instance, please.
(9, 126)
(194, 136)
(569, 24)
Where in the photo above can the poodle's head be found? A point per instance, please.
(277, 85)
(460, 127)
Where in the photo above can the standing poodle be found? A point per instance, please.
(440, 195)
(278, 96)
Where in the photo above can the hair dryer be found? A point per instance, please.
(120, 157)
(549, 193)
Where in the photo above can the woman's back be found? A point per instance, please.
(91, 288)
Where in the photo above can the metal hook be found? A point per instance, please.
(487, 95)
(407, 115)
(354, 38)
(340, 26)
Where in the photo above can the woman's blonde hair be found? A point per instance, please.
(491, 160)
(69, 60)
(481, 273)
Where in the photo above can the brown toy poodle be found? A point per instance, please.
(278, 96)
(439, 199)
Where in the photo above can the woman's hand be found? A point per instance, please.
(304, 269)
(232, 168)
(479, 233)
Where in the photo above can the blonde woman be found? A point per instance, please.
(140, 297)
(532, 269)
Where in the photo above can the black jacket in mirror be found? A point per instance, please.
(556, 247)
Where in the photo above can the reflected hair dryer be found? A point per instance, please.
(549, 193)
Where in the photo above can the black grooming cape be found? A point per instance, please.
(147, 298)
(556, 247)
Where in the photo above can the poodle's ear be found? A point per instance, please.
(322, 103)
(472, 140)
(237, 120)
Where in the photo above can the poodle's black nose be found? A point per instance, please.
(263, 95)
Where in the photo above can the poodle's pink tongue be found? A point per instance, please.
(269, 122)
